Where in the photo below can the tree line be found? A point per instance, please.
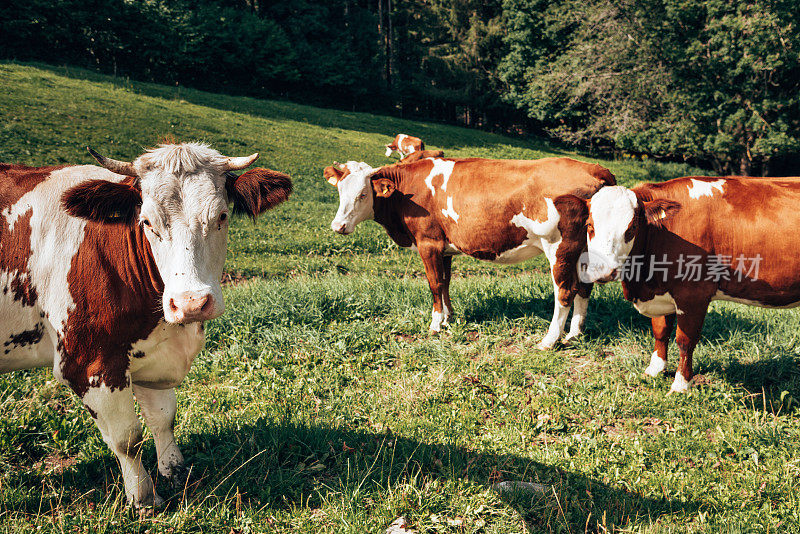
(713, 82)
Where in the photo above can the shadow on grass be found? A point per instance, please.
(287, 466)
(774, 381)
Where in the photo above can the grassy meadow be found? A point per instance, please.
(320, 403)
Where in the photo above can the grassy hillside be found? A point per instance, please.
(49, 115)
(321, 405)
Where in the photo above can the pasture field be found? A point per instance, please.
(320, 404)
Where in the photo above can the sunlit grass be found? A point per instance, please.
(320, 404)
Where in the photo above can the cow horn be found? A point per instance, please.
(124, 168)
(235, 164)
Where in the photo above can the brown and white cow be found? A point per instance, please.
(107, 275)
(404, 145)
(422, 154)
(496, 210)
(680, 244)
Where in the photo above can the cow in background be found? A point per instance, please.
(404, 145)
(502, 211)
(422, 154)
(107, 276)
(680, 244)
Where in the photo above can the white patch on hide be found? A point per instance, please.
(450, 212)
(700, 188)
(168, 355)
(658, 306)
(440, 167)
(540, 234)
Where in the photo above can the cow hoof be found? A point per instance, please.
(179, 477)
(656, 366)
(436, 332)
(568, 340)
(152, 500)
(545, 345)
(680, 385)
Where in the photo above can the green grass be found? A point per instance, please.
(321, 405)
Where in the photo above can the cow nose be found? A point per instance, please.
(609, 278)
(340, 228)
(192, 306)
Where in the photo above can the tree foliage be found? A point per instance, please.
(712, 81)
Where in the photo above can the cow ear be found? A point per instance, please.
(660, 210)
(333, 175)
(575, 208)
(573, 212)
(104, 201)
(383, 187)
(257, 190)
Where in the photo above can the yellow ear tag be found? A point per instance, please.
(662, 215)
(385, 189)
(333, 181)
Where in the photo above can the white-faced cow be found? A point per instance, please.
(404, 145)
(680, 244)
(497, 210)
(107, 275)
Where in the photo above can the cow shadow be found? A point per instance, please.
(289, 466)
(607, 315)
(775, 382)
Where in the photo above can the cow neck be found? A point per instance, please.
(388, 211)
(634, 289)
(140, 248)
(116, 290)
(127, 251)
(641, 238)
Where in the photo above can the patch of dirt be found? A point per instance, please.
(616, 432)
(509, 348)
(55, 464)
(700, 380)
(652, 425)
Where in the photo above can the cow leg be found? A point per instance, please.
(447, 307)
(580, 306)
(560, 312)
(662, 329)
(114, 413)
(433, 260)
(159, 407)
(689, 328)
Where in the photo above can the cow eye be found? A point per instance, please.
(222, 218)
(146, 222)
(362, 196)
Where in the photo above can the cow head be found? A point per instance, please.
(616, 215)
(179, 195)
(355, 183)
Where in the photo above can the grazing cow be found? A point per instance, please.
(107, 276)
(422, 154)
(404, 145)
(496, 210)
(680, 244)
